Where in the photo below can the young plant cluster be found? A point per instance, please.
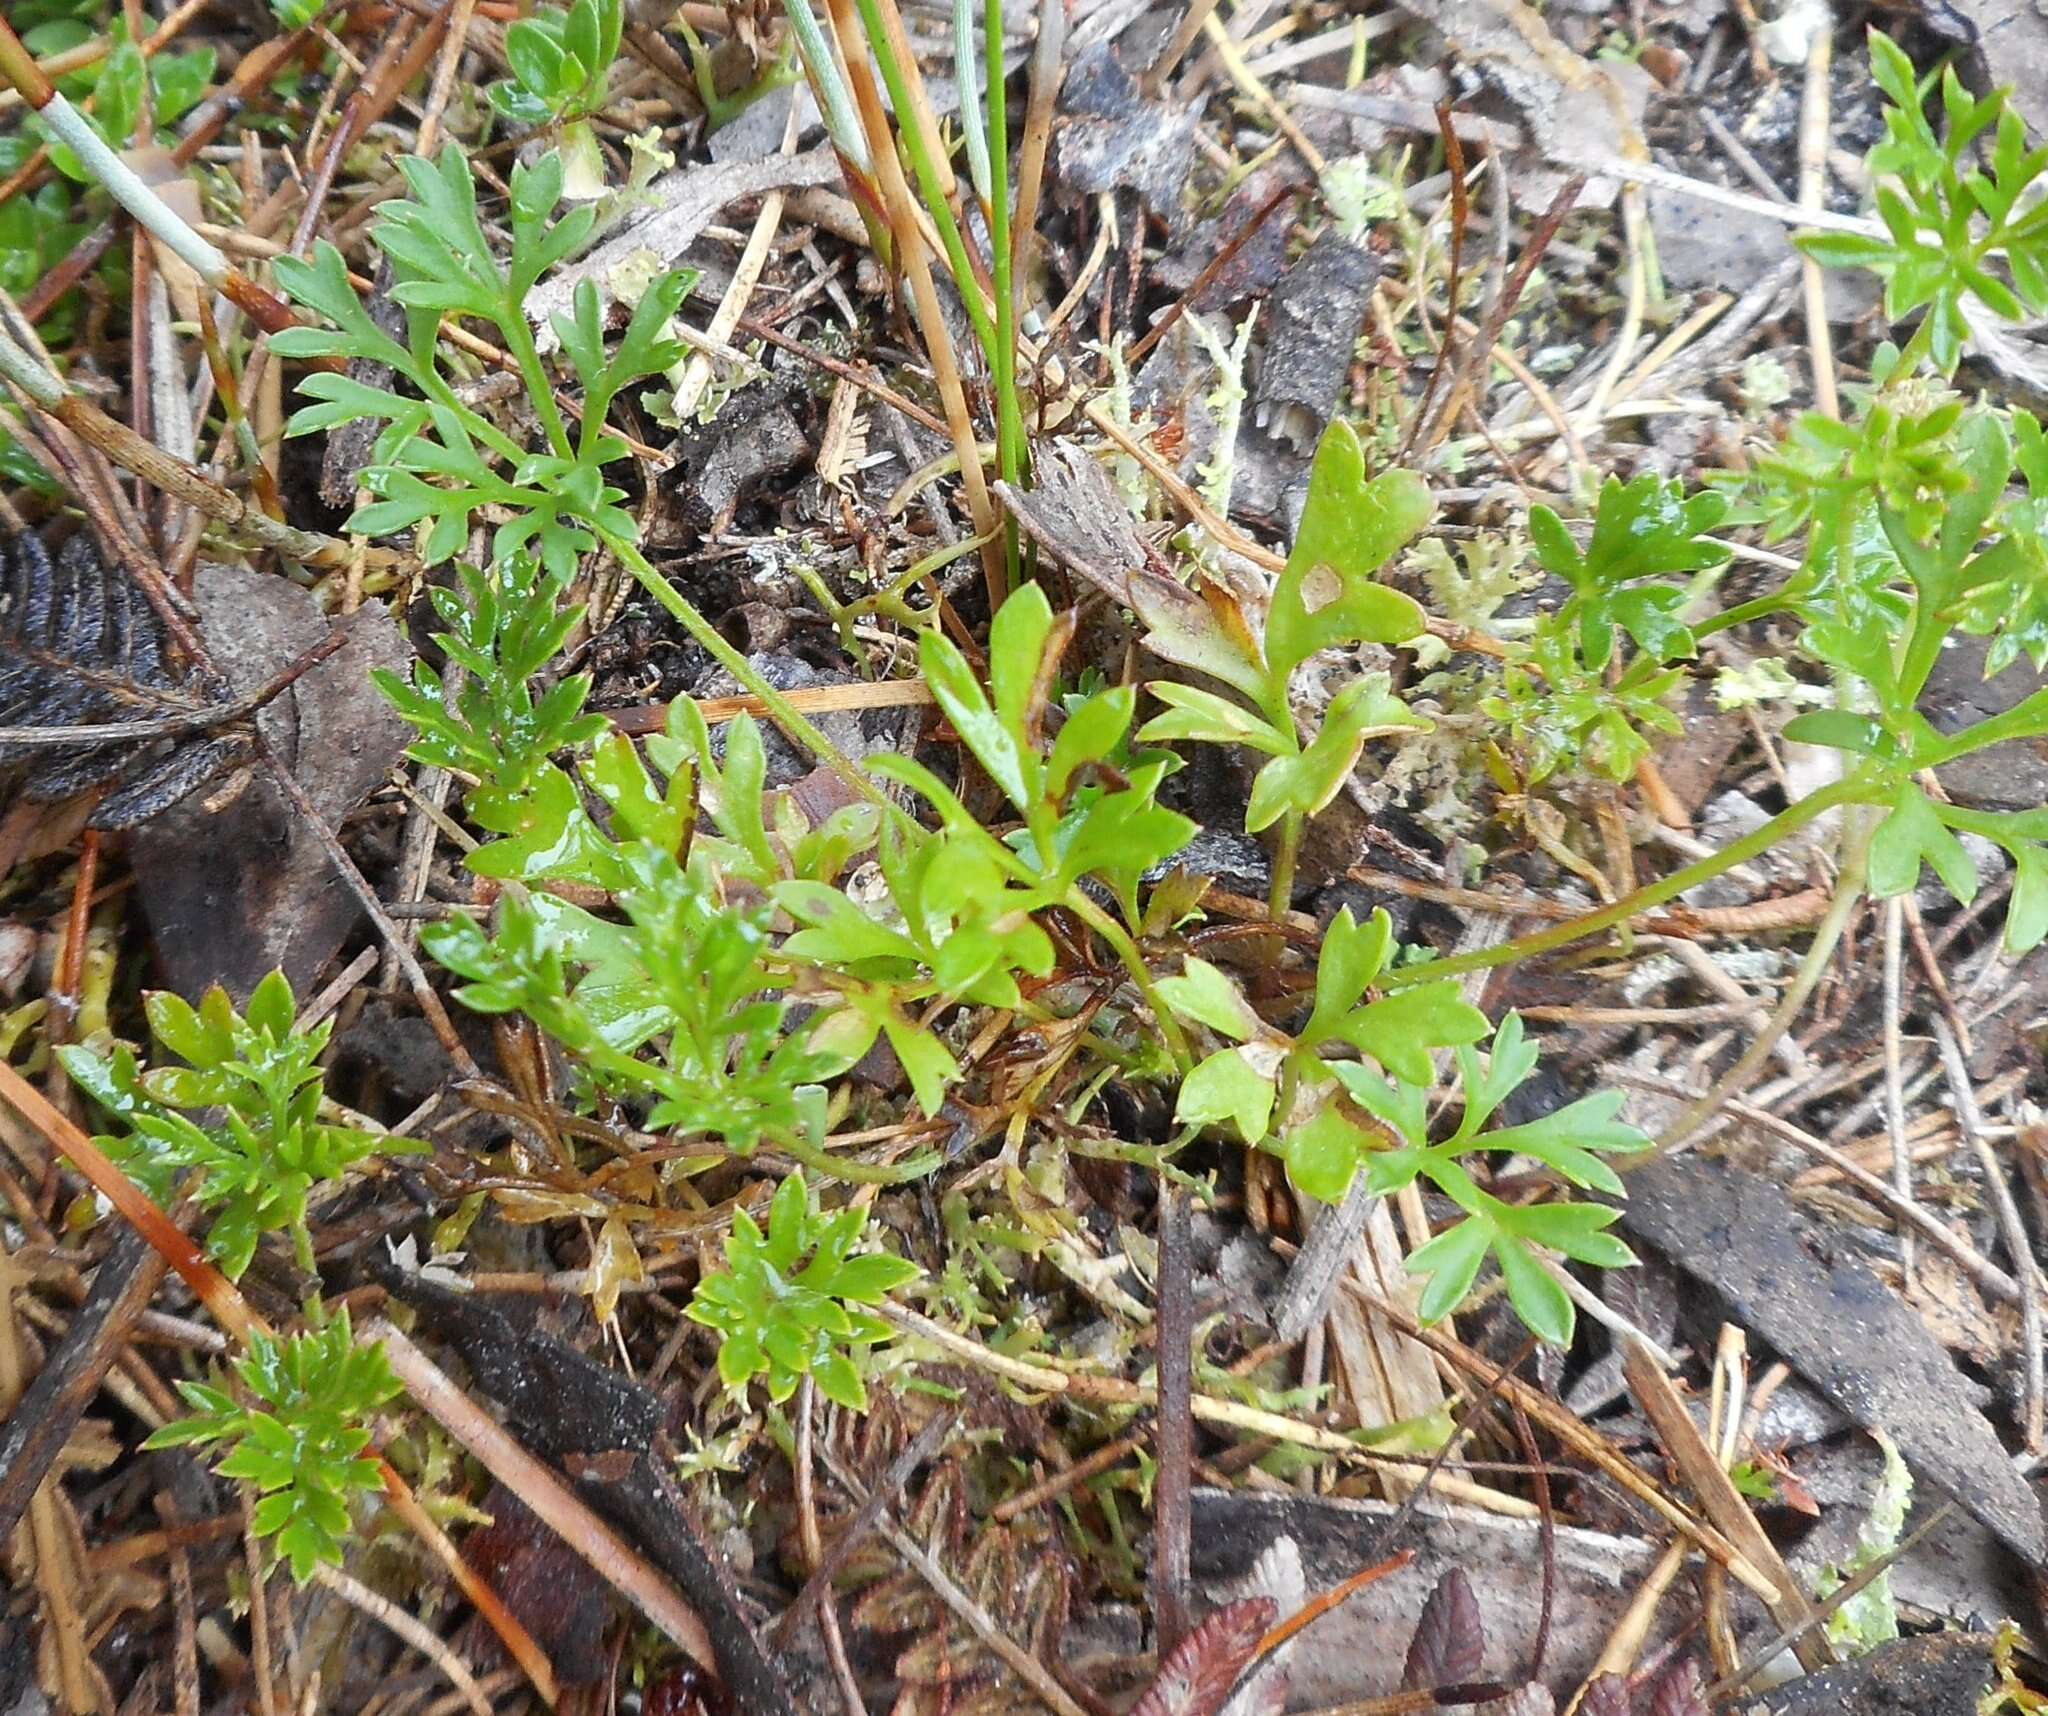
(243, 1116)
(688, 938)
(1920, 516)
(682, 1002)
(238, 1126)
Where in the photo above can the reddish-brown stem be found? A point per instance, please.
(213, 1289)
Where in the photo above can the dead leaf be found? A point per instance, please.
(1312, 327)
(1607, 1696)
(1110, 139)
(1450, 1638)
(1679, 1692)
(614, 1264)
(1200, 1671)
(234, 893)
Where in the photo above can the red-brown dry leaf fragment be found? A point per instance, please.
(1679, 1692)
(1450, 1637)
(685, 1691)
(546, 1584)
(1607, 1696)
(1198, 1675)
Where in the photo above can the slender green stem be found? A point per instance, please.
(930, 186)
(519, 341)
(973, 132)
(854, 1170)
(1281, 895)
(1009, 415)
(1855, 788)
(1133, 962)
(835, 103)
(780, 710)
(1757, 608)
(1848, 890)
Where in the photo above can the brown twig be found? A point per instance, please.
(37, 1428)
(813, 1545)
(923, 1447)
(1173, 1427)
(609, 1554)
(1716, 1493)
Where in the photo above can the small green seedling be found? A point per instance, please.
(1277, 1091)
(439, 461)
(302, 1445)
(783, 1306)
(1558, 700)
(561, 63)
(1949, 222)
(504, 629)
(258, 1143)
(1325, 598)
(560, 60)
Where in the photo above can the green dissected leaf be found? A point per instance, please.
(2026, 913)
(1230, 1086)
(306, 1455)
(1204, 996)
(1351, 957)
(1451, 1263)
(1945, 220)
(1323, 1154)
(618, 777)
(778, 1306)
(1536, 1296)
(544, 834)
(1203, 716)
(1001, 747)
(1645, 528)
(926, 1061)
(1571, 1141)
(1400, 1030)
(1301, 785)
(255, 1083)
(1350, 528)
(1913, 833)
(1841, 730)
(1091, 733)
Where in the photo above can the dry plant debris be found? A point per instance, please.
(1038, 858)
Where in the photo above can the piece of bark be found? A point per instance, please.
(1359, 1650)
(50, 1407)
(1941, 1675)
(1837, 1325)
